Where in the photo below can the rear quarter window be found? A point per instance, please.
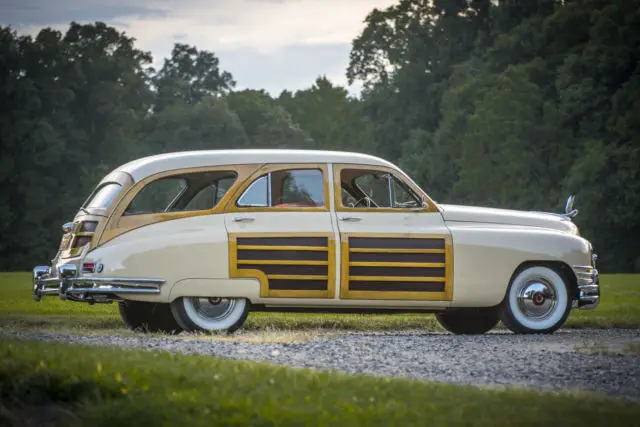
(103, 196)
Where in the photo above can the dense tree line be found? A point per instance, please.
(514, 104)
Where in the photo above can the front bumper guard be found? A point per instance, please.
(588, 296)
(68, 286)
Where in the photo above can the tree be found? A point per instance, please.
(70, 108)
(332, 118)
(189, 76)
(266, 124)
(206, 125)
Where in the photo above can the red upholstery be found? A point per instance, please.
(297, 205)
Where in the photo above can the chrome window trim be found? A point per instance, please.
(267, 177)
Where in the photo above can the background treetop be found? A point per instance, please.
(512, 104)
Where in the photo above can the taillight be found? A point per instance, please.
(88, 226)
(88, 267)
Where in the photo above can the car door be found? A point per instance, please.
(281, 233)
(394, 242)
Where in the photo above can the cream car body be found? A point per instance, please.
(366, 256)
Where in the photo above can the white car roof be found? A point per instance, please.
(147, 166)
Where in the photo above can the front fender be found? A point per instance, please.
(486, 256)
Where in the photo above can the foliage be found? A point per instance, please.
(537, 100)
(513, 104)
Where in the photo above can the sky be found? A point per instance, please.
(265, 44)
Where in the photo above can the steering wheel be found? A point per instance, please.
(365, 202)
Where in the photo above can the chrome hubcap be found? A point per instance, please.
(214, 308)
(537, 299)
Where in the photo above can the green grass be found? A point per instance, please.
(609, 349)
(619, 304)
(81, 385)
(620, 308)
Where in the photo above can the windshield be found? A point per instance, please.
(102, 198)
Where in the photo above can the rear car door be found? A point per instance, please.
(281, 233)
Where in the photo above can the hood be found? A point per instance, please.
(457, 213)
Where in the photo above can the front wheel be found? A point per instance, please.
(537, 302)
(210, 314)
(468, 321)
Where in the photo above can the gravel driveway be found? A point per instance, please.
(564, 360)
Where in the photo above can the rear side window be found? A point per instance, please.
(181, 193)
(103, 197)
(287, 188)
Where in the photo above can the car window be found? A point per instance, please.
(348, 199)
(156, 196)
(402, 196)
(287, 188)
(375, 189)
(303, 187)
(103, 197)
(209, 196)
(256, 195)
(187, 192)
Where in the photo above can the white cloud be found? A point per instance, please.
(265, 29)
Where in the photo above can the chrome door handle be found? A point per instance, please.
(243, 219)
(350, 218)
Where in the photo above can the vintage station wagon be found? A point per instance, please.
(196, 240)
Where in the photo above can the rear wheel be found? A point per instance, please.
(468, 321)
(148, 316)
(210, 314)
(537, 301)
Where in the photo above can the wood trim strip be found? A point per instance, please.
(297, 285)
(446, 280)
(395, 264)
(296, 277)
(372, 286)
(282, 248)
(398, 251)
(397, 243)
(279, 262)
(236, 270)
(396, 279)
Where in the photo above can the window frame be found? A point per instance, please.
(279, 167)
(402, 178)
(118, 223)
(187, 189)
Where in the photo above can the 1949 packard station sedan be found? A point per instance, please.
(196, 240)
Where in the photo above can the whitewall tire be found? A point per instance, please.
(537, 301)
(210, 314)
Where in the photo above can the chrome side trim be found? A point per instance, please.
(588, 296)
(88, 289)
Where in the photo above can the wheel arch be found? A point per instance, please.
(560, 267)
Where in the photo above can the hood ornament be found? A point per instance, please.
(569, 212)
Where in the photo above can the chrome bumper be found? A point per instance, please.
(588, 296)
(68, 286)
